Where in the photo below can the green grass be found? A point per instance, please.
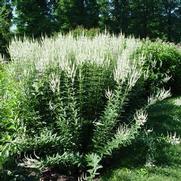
(164, 117)
(144, 174)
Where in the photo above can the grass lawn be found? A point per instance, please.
(164, 118)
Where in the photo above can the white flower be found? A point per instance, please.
(159, 96)
(173, 139)
(141, 117)
(177, 102)
(109, 94)
(149, 130)
(54, 83)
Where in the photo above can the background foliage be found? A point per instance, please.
(154, 19)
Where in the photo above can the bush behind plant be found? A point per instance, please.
(163, 61)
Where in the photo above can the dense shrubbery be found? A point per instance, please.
(164, 63)
(79, 31)
(63, 101)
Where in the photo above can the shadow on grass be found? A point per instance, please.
(164, 118)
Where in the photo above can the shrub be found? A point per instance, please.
(9, 101)
(68, 103)
(79, 31)
(163, 61)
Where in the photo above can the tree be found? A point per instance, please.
(35, 18)
(171, 19)
(145, 18)
(104, 14)
(141, 18)
(74, 13)
(70, 14)
(120, 15)
(5, 24)
(92, 13)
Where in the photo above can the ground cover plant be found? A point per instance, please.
(67, 103)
